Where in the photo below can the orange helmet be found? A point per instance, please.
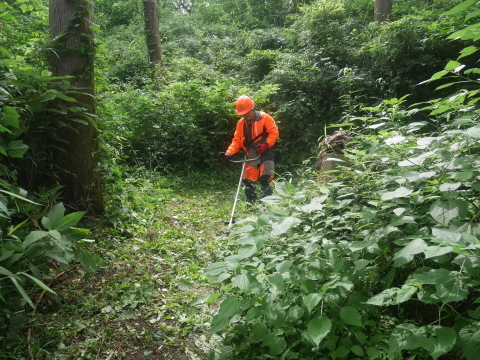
(243, 105)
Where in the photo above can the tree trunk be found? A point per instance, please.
(383, 10)
(73, 55)
(155, 55)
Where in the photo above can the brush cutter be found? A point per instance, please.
(244, 161)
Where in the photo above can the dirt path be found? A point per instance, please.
(147, 301)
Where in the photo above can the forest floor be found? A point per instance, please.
(148, 299)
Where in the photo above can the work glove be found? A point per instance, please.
(224, 156)
(261, 148)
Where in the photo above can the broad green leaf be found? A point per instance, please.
(401, 192)
(276, 344)
(49, 95)
(361, 337)
(476, 186)
(33, 237)
(295, 313)
(445, 86)
(402, 220)
(404, 294)
(55, 234)
(428, 277)
(318, 328)
(472, 14)
(445, 340)
(473, 131)
(284, 225)
(244, 281)
(284, 266)
(468, 33)
(468, 264)
(16, 149)
(439, 74)
(469, 50)
(259, 331)
(446, 211)
(284, 188)
(11, 117)
(450, 186)
(447, 236)
(372, 353)
(416, 160)
(3, 129)
(55, 214)
(342, 351)
(360, 245)
(436, 251)
(461, 7)
(39, 283)
(452, 65)
(470, 340)
(316, 204)
(68, 221)
(273, 199)
(246, 251)
(407, 254)
(451, 287)
(229, 307)
(214, 270)
(277, 281)
(383, 298)
(357, 350)
(86, 260)
(437, 340)
(312, 300)
(351, 316)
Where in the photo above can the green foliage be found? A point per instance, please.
(382, 263)
(36, 236)
(180, 128)
(118, 13)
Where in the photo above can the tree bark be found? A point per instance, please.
(155, 54)
(73, 55)
(383, 10)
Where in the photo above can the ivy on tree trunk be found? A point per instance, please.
(73, 57)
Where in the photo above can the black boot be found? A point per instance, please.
(265, 188)
(250, 191)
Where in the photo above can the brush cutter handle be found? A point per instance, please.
(245, 160)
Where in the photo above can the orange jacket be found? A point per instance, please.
(262, 129)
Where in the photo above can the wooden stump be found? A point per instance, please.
(328, 162)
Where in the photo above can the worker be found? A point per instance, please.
(256, 133)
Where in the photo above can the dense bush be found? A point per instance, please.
(382, 263)
(178, 129)
(37, 238)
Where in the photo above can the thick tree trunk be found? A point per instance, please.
(73, 54)
(155, 55)
(383, 10)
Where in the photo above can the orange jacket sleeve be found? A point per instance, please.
(237, 142)
(272, 130)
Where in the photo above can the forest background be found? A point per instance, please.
(382, 263)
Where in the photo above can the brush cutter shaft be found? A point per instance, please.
(244, 161)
